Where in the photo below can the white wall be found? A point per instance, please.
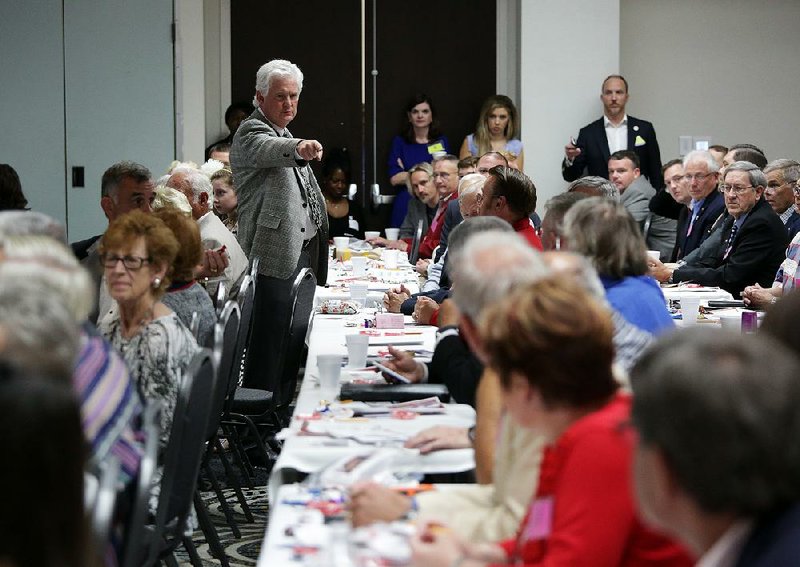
(729, 69)
(190, 81)
(567, 49)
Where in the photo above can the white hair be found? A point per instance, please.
(489, 266)
(39, 330)
(24, 223)
(470, 184)
(42, 260)
(198, 181)
(169, 198)
(277, 68)
(211, 167)
(702, 156)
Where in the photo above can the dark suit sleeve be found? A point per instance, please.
(572, 172)
(452, 217)
(652, 160)
(756, 243)
(456, 367)
(663, 204)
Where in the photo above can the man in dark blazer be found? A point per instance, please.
(588, 155)
(701, 173)
(715, 465)
(282, 218)
(753, 242)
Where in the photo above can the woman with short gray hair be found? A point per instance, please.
(606, 233)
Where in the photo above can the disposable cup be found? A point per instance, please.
(357, 346)
(392, 233)
(341, 242)
(329, 367)
(690, 307)
(389, 259)
(359, 266)
(654, 254)
(358, 292)
(371, 234)
(731, 322)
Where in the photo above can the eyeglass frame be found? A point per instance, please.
(699, 176)
(734, 189)
(105, 261)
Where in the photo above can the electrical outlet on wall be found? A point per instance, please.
(702, 142)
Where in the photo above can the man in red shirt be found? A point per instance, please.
(511, 195)
(445, 178)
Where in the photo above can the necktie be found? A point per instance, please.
(729, 244)
(695, 214)
(310, 196)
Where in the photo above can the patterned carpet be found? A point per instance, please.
(240, 552)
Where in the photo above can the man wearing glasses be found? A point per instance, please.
(782, 175)
(753, 238)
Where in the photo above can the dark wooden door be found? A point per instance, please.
(444, 48)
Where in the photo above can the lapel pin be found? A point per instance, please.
(635, 128)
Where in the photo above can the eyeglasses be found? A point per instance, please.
(699, 176)
(735, 189)
(130, 262)
(774, 187)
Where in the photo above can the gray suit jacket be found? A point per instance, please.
(272, 214)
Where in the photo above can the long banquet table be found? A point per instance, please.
(303, 454)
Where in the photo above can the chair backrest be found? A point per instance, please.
(135, 546)
(646, 225)
(102, 513)
(184, 450)
(294, 337)
(194, 326)
(254, 262)
(220, 297)
(226, 332)
(414, 256)
(245, 297)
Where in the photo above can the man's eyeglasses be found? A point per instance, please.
(130, 262)
(734, 189)
(699, 176)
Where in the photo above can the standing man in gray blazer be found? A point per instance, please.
(282, 217)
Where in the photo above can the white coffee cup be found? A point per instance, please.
(359, 266)
(358, 292)
(389, 258)
(341, 242)
(392, 233)
(654, 254)
(329, 367)
(371, 234)
(690, 308)
(357, 346)
(731, 322)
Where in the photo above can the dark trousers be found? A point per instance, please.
(271, 313)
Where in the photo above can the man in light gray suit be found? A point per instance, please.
(282, 216)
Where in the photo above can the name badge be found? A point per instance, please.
(437, 147)
(540, 520)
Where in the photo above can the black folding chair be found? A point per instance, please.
(181, 462)
(135, 548)
(414, 256)
(105, 504)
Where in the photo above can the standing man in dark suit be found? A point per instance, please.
(282, 218)
(716, 461)
(613, 132)
(753, 242)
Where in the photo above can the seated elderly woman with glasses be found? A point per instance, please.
(137, 252)
(550, 343)
(606, 233)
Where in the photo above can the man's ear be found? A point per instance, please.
(107, 204)
(203, 199)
